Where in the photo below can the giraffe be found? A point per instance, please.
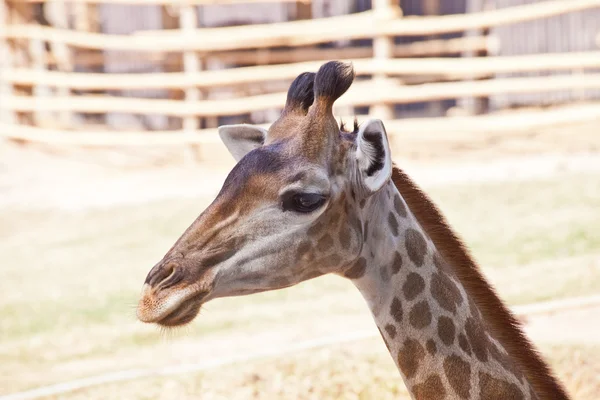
(307, 198)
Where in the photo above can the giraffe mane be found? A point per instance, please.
(503, 325)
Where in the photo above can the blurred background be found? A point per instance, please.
(109, 150)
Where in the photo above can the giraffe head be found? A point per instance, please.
(288, 211)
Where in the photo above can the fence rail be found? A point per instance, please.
(447, 68)
(164, 2)
(364, 93)
(297, 33)
(49, 83)
(514, 122)
(266, 56)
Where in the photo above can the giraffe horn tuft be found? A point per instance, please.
(300, 95)
(333, 80)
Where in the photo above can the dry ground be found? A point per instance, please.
(73, 266)
(361, 370)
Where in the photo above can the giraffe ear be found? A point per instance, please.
(242, 139)
(373, 157)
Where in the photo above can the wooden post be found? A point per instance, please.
(383, 49)
(478, 105)
(36, 49)
(303, 9)
(432, 7)
(21, 13)
(172, 61)
(6, 61)
(205, 63)
(86, 20)
(57, 14)
(86, 17)
(188, 21)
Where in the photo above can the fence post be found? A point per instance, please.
(383, 49)
(36, 50)
(86, 19)
(6, 62)
(478, 105)
(172, 62)
(56, 13)
(188, 21)
(432, 7)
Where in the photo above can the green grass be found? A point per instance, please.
(70, 280)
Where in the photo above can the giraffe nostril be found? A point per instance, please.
(163, 275)
(173, 278)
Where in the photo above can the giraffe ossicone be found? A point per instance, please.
(307, 198)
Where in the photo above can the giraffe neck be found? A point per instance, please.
(433, 330)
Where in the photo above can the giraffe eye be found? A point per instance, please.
(303, 202)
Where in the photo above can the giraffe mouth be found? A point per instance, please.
(184, 313)
(173, 310)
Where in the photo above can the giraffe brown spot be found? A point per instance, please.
(446, 330)
(332, 260)
(347, 209)
(432, 388)
(413, 286)
(357, 270)
(397, 263)
(396, 310)
(310, 275)
(477, 339)
(416, 246)
(431, 347)
(420, 315)
(303, 248)
(491, 388)
(344, 238)
(458, 373)
(384, 274)
(335, 217)
(393, 222)
(464, 344)
(325, 243)
(362, 203)
(280, 281)
(399, 206)
(391, 330)
(355, 223)
(445, 292)
(315, 229)
(409, 357)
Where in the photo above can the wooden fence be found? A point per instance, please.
(49, 91)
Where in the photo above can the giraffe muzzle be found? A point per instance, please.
(170, 307)
(170, 296)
